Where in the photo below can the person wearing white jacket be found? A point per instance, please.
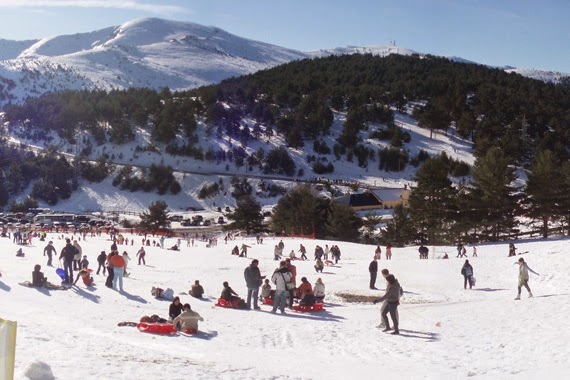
(280, 278)
(319, 290)
(523, 277)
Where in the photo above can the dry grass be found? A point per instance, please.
(356, 298)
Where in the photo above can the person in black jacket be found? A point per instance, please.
(175, 308)
(467, 272)
(101, 261)
(49, 250)
(373, 269)
(253, 280)
(67, 254)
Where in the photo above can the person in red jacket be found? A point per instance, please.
(119, 265)
(305, 287)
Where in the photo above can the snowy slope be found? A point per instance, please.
(446, 332)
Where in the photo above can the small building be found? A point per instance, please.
(380, 199)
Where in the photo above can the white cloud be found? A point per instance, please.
(113, 4)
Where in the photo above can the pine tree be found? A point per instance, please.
(544, 189)
(493, 178)
(342, 223)
(156, 216)
(247, 215)
(432, 204)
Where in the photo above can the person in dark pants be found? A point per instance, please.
(253, 280)
(49, 250)
(467, 272)
(392, 296)
(110, 271)
(101, 261)
(67, 254)
(141, 254)
(373, 269)
(293, 269)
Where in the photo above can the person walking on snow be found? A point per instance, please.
(523, 277)
(467, 272)
(101, 261)
(49, 250)
(392, 296)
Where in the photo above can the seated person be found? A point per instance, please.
(197, 290)
(175, 308)
(292, 255)
(266, 291)
(235, 251)
(85, 276)
(308, 299)
(445, 256)
(228, 294)
(303, 288)
(174, 247)
(187, 321)
(20, 253)
(319, 265)
(319, 290)
(38, 278)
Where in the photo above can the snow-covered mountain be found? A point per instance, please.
(148, 52)
(153, 53)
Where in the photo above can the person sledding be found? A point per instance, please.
(308, 298)
(175, 308)
(38, 278)
(85, 275)
(187, 321)
(20, 253)
(266, 291)
(232, 297)
(304, 287)
(197, 291)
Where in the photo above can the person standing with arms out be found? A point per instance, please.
(49, 250)
(392, 296)
(253, 280)
(523, 277)
(141, 254)
(467, 272)
(280, 278)
(373, 269)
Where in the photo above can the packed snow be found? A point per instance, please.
(446, 331)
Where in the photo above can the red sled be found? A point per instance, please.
(157, 328)
(267, 301)
(317, 306)
(329, 262)
(225, 303)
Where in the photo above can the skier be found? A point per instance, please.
(523, 277)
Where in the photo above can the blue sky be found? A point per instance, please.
(521, 33)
